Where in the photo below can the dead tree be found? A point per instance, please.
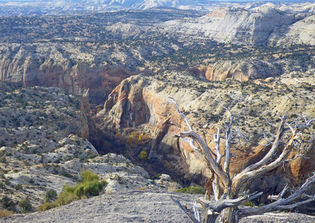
(231, 192)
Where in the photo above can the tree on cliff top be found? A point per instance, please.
(230, 192)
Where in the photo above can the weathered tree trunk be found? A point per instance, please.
(230, 215)
(226, 206)
(209, 218)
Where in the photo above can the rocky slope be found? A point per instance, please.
(140, 104)
(138, 206)
(43, 146)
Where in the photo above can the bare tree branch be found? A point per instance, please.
(172, 100)
(226, 190)
(228, 137)
(271, 152)
(282, 203)
(218, 206)
(187, 212)
(208, 156)
(244, 176)
(204, 147)
(217, 138)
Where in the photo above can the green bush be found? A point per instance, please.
(143, 155)
(47, 205)
(88, 176)
(7, 203)
(51, 195)
(67, 195)
(25, 205)
(18, 187)
(191, 190)
(89, 186)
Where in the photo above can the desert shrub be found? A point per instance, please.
(7, 182)
(7, 203)
(89, 186)
(3, 159)
(88, 176)
(67, 195)
(51, 195)
(65, 173)
(143, 155)
(25, 205)
(191, 190)
(5, 213)
(31, 181)
(18, 187)
(47, 205)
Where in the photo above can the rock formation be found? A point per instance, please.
(140, 103)
(261, 24)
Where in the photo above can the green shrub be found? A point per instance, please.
(143, 155)
(25, 205)
(191, 190)
(65, 174)
(66, 198)
(31, 181)
(18, 187)
(89, 186)
(7, 203)
(88, 176)
(51, 195)
(47, 205)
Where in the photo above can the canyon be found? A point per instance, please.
(91, 91)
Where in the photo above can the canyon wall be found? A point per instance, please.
(140, 103)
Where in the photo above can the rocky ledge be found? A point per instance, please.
(138, 206)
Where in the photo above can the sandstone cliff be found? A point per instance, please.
(254, 24)
(64, 66)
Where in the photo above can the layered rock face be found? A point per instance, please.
(140, 103)
(254, 24)
(63, 66)
(241, 71)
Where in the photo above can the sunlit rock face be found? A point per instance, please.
(141, 103)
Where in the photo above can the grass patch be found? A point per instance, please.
(5, 213)
(191, 190)
(47, 205)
